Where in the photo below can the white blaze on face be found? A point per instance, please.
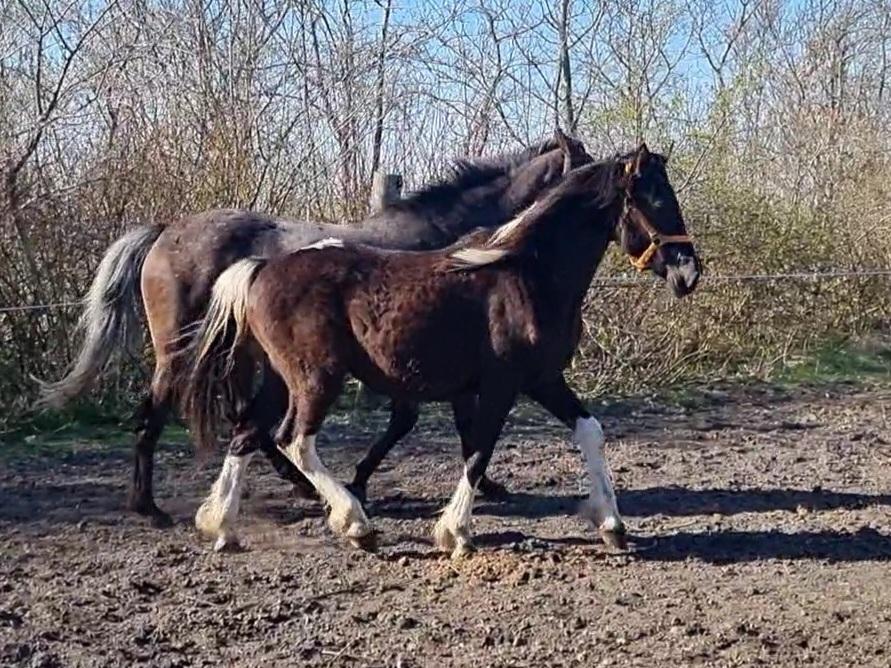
(588, 436)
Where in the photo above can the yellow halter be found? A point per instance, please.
(657, 239)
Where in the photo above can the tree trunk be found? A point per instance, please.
(565, 77)
(379, 93)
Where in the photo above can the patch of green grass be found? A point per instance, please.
(863, 362)
(79, 429)
(841, 362)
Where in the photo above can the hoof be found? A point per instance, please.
(457, 542)
(359, 491)
(228, 544)
(463, 550)
(443, 538)
(147, 508)
(618, 540)
(489, 489)
(161, 520)
(206, 521)
(366, 543)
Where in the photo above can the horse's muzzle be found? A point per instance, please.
(683, 275)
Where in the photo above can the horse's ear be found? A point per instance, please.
(625, 172)
(643, 156)
(639, 160)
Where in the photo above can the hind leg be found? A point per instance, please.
(463, 409)
(217, 514)
(151, 418)
(266, 411)
(403, 418)
(346, 517)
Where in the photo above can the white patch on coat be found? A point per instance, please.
(478, 257)
(330, 242)
(508, 230)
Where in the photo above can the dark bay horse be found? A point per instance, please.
(495, 315)
(171, 268)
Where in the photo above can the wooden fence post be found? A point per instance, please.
(385, 189)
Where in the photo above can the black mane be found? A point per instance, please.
(465, 174)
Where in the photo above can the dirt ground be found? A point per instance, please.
(761, 536)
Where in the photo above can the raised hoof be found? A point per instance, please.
(489, 489)
(227, 545)
(306, 492)
(366, 543)
(618, 540)
(359, 491)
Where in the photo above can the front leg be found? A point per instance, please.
(452, 531)
(563, 404)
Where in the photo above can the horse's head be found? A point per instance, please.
(651, 228)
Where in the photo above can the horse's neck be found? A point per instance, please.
(435, 224)
(568, 253)
(498, 201)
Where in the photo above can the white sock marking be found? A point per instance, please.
(459, 512)
(588, 436)
(452, 531)
(347, 516)
(219, 511)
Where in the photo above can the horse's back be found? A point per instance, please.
(194, 250)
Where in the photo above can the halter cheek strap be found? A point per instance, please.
(657, 239)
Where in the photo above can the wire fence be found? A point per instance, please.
(39, 307)
(794, 276)
(609, 281)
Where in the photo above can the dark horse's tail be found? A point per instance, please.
(209, 357)
(110, 319)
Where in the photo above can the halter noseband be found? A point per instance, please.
(643, 261)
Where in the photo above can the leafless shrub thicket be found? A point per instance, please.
(112, 114)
